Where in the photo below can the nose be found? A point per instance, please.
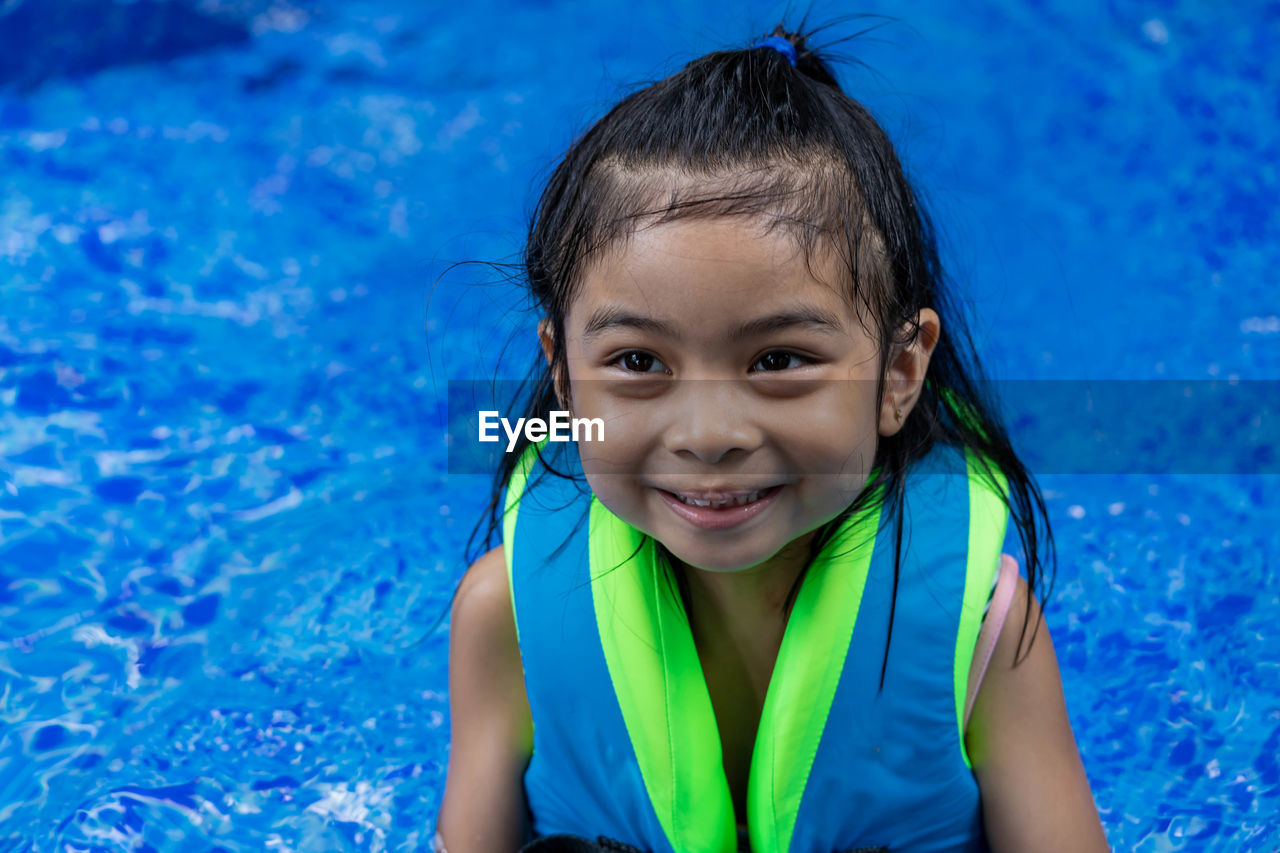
(710, 419)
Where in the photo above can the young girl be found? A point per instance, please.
(752, 615)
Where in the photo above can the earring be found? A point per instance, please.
(897, 412)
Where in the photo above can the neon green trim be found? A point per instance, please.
(803, 685)
(988, 517)
(657, 677)
(515, 490)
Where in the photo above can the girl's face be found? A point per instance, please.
(737, 391)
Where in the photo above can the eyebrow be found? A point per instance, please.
(817, 319)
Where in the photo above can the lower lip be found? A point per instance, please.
(711, 518)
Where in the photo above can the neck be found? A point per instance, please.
(749, 598)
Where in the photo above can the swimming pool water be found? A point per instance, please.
(226, 520)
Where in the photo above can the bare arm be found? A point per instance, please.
(492, 735)
(1035, 795)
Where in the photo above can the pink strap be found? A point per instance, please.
(992, 625)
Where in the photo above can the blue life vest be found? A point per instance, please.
(625, 742)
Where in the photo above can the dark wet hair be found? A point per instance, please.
(744, 133)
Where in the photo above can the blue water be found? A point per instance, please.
(226, 523)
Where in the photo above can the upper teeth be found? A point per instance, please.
(720, 502)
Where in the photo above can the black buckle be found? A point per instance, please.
(559, 844)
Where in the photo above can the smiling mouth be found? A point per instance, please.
(722, 500)
(720, 509)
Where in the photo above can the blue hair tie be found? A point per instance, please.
(779, 44)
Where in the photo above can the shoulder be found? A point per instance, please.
(485, 671)
(484, 585)
(1021, 679)
(1035, 792)
(482, 627)
(491, 733)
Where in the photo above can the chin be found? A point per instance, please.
(708, 560)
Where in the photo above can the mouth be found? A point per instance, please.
(721, 500)
(719, 510)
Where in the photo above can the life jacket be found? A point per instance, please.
(625, 742)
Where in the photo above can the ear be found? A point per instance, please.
(904, 375)
(547, 338)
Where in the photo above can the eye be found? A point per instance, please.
(637, 361)
(772, 362)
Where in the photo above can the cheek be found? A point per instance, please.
(631, 426)
(612, 464)
(620, 493)
(837, 426)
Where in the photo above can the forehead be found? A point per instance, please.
(705, 269)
